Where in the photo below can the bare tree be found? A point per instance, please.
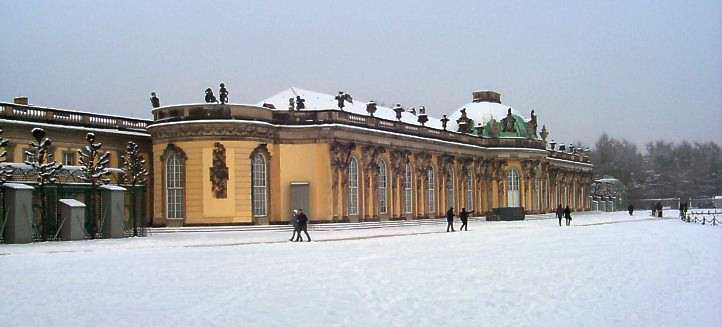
(46, 168)
(95, 169)
(134, 173)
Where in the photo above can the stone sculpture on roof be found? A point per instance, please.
(300, 103)
(154, 101)
(342, 98)
(223, 93)
(508, 123)
(210, 98)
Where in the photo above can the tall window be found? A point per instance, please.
(450, 188)
(469, 192)
(68, 158)
(258, 166)
(513, 193)
(381, 187)
(408, 189)
(175, 185)
(353, 187)
(430, 185)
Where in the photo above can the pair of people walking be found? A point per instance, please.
(299, 220)
(463, 216)
(565, 213)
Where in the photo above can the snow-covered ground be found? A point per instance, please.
(608, 269)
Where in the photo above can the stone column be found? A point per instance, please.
(72, 213)
(113, 204)
(19, 221)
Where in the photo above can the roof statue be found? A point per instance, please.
(544, 133)
(423, 118)
(508, 122)
(154, 101)
(444, 121)
(342, 98)
(398, 110)
(291, 104)
(223, 93)
(210, 98)
(300, 103)
(531, 126)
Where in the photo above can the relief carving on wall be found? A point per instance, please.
(219, 172)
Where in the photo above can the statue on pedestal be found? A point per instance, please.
(342, 98)
(210, 98)
(371, 108)
(398, 110)
(154, 101)
(300, 103)
(508, 123)
(223, 93)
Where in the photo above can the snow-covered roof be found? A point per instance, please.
(322, 101)
(482, 112)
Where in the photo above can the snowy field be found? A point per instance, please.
(608, 269)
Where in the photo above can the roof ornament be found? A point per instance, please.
(422, 117)
(154, 101)
(371, 107)
(444, 121)
(210, 98)
(291, 104)
(508, 123)
(398, 110)
(223, 93)
(300, 103)
(544, 133)
(342, 98)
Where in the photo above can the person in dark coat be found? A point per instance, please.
(568, 215)
(450, 219)
(294, 223)
(302, 226)
(560, 213)
(659, 209)
(464, 216)
(630, 209)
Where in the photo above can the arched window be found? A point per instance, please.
(469, 192)
(258, 171)
(381, 187)
(175, 184)
(353, 187)
(450, 188)
(408, 190)
(430, 186)
(513, 193)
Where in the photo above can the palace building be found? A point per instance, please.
(252, 164)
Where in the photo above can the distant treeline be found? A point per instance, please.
(666, 170)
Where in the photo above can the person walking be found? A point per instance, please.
(630, 208)
(659, 209)
(568, 215)
(560, 214)
(450, 219)
(302, 226)
(294, 223)
(464, 216)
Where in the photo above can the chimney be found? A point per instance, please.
(21, 100)
(486, 96)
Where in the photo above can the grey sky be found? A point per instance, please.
(641, 70)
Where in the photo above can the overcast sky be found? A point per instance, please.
(641, 70)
